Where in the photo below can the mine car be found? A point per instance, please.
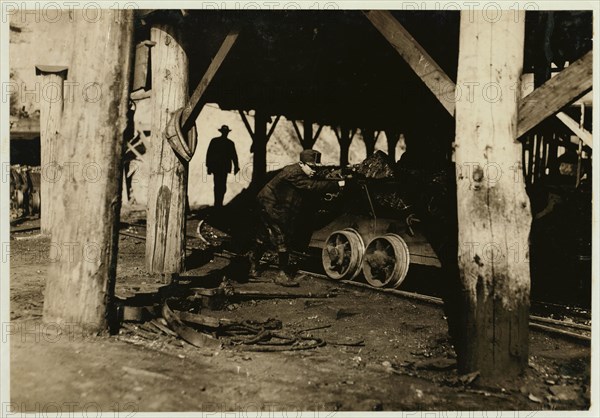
(374, 226)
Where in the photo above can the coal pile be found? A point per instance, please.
(376, 166)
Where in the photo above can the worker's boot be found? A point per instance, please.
(284, 276)
(255, 267)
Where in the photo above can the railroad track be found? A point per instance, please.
(572, 330)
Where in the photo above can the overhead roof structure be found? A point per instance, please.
(335, 68)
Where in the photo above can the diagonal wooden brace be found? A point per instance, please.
(180, 131)
(556, 93)
(415, 56)
(194, 105)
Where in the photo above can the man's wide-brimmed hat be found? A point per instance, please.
(224, 129)
(310, 157)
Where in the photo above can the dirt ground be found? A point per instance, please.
(382, 352)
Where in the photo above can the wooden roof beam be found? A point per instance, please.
(415, 55)
(556, 93)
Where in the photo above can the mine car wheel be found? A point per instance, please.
(20, 199)
(342, 254)
(35, 202)
(386, 261)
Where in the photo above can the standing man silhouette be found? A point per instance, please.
(219, 158)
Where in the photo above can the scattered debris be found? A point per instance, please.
(186, 333)
(564, 392)
(436, 364)
(463, 380)
(535, 399)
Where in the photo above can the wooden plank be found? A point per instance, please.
(494, 216)
(194, 105)
(415, 55)
(556, 93)
(582, 133)
(80, 284)
(167, 187)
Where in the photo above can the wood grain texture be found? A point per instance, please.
(167, 186)
(556, 93)
(83, 249)
(493, 208)
(51, 110)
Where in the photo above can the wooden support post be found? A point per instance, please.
(260, 139)
(81, 279)
(392, 137)
(259, 144)
(308, 134)
(307, 138)
(167, 187)
(368, 136)
(344, 136)
(51, 110)
(494, 215)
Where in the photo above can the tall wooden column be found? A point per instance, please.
(83, 251)
(344, 136)
(493, 209)
(392, 140)
(259, 146)
(260, 139)
(308, 137)
(167, 188)
(51, 110)
(368, 136)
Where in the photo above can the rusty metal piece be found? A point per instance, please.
(410, 220)
(203, 320)
(155, 323)
(49, 69)
(184, 145)
(186, 333)
(199, 232)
